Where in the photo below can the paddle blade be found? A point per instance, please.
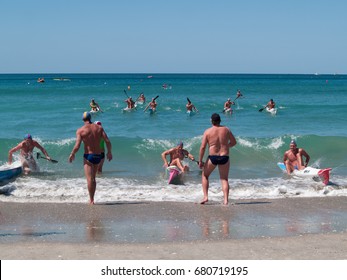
(54, 161)
(38, 155)
(261, 110)
(156, 97)
(189, 100)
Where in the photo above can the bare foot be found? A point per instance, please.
(204, 201)
(91, 202)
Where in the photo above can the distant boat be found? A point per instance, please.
(62, 79)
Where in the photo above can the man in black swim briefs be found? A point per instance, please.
(220, 140)
(91, 134)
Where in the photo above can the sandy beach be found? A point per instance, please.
(278, 229)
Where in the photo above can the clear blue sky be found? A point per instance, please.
(177, 36)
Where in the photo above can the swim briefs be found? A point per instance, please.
(219, 159)
(93, 158)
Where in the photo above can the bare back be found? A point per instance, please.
(90, 135)
(219, 140)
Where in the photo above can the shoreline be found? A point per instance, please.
(288, 228)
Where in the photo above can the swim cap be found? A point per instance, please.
(293, 142)
(86, 116)
(98, 122)
(27, 136)
(215, 118)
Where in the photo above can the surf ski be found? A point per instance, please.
(309, 172)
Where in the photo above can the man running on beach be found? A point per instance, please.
(26, 148)
(293, 158)
(91, 134)
(176, 155)
(219, 139)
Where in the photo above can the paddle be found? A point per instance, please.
(150, 103)
(138, 97)
(261, 110)
(38, 155)
(126, 93)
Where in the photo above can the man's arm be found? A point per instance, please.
(76, 147)
(232, 140)
(307, 157)
(163, 156)
(37, 145)
(108, 145)
(285, 157)
(13, 150)
(202, 150)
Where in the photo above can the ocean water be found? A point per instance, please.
(311, 109)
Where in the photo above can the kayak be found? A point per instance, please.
(139, 102)
(228, 111)
(10, 172)
(94, 112)
(272, 111)
(175, 175)
(127, 110)
(309, 172)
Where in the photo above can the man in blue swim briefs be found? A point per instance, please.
(91, 134)
(219, 139)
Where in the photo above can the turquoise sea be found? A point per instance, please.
(311, 109)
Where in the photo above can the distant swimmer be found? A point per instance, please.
(26, 148)
(40, 80)
(293, 158)
(94, 106)
(219, 139)
(91, 134)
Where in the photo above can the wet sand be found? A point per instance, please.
(289, 228)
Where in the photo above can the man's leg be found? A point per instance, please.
(223, 175)
(206, 172)
(89, 171)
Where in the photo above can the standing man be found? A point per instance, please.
(91, 134)
(26, 148)
(219, 139)
(293, 158)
